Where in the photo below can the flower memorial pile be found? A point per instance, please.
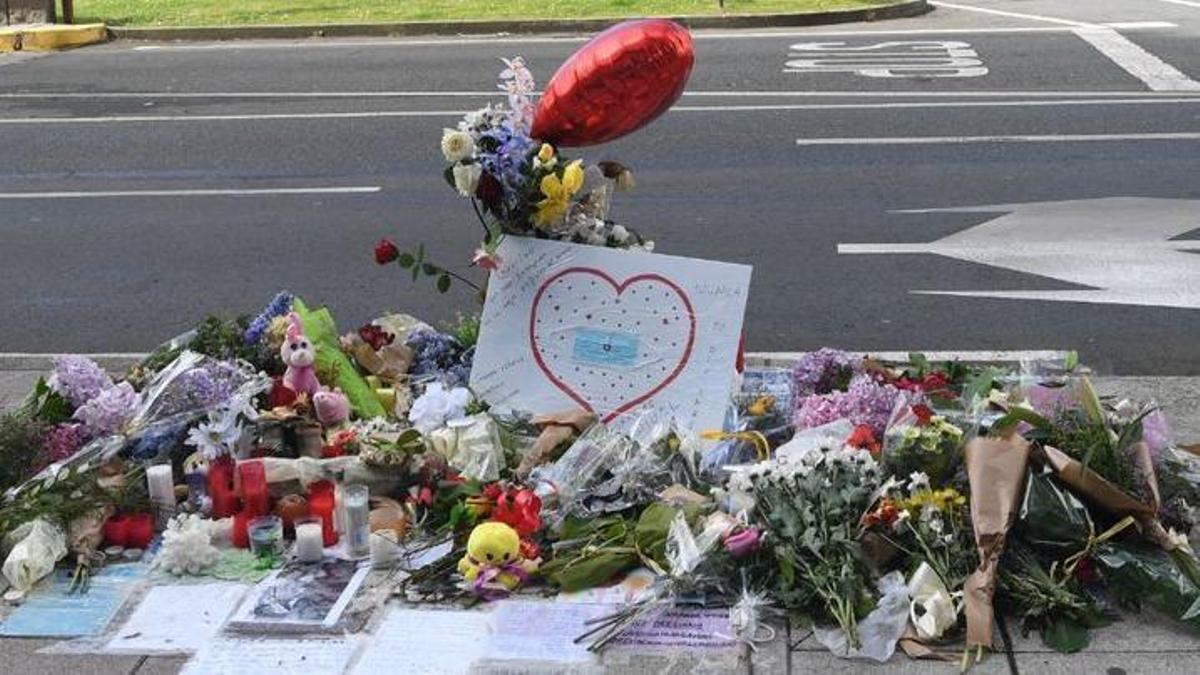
(885, 504)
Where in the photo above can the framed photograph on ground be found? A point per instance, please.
(300, 598)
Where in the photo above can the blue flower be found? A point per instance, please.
(281, 304)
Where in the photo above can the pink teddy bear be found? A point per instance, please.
(299, 355)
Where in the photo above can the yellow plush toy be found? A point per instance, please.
(493, 565)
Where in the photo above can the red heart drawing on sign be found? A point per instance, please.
(610, 346)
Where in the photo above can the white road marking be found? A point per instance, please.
(968, 356)
(1121, 249)
(1156, 73)
(383, 114)
(891, 59)
(960, 140)
(232, 118)
(1135, 25)
(1185, 3)
(1011, 15)
(85, 194)
(698, 35)
(489, 94)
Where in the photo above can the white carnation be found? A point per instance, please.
(466, 178)
(457, 145)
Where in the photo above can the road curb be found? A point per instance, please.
(50, 37)
(907, 8)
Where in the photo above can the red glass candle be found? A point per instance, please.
(321, 503)
(255, 498)
(116, 531)
(220, 488)
(241, 534)
(141, 530)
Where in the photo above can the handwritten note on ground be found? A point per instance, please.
(235, 656)
(425, 642)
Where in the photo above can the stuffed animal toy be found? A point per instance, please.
(332, 407)
(493, 565)
(299, 355)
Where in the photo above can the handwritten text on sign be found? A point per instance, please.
(614, 332)
(897, 59)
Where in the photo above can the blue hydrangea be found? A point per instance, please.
(281, 304)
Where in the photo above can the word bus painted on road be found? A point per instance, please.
(911, 59)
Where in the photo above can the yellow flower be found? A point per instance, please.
(942, 500)
(558, 192)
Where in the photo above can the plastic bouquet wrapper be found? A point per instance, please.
(996, 470)
(146, 422)
(880, 630)
(685, 553)
(35, 548)
(471, 445)
(607, 471)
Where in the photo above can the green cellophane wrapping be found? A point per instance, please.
(322, 332)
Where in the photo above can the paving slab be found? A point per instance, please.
(161, 665)
(14, 385)
(1107, 663)
(1148, 631)
(1178, 396)
(19, 656)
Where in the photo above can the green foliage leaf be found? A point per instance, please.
(448, 174)
(430, 269)
(1017, 415)
(1066, 636)
(650, 533)
(1072, 361)
(593, 570)
(443, 283)
(406, 260)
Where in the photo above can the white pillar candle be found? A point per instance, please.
(384, 550)
(309, 545)
(160, 483)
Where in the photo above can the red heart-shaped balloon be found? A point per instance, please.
(615, 84)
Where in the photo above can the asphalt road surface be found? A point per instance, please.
(1006, 175)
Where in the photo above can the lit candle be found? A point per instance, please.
(384, 549)
(220, 488)
(255, 497)
(160, 483)
(321, 503)
(310, 545)
(357, 519)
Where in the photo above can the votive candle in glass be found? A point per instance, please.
(356, 499)
(321, 504)
(255, 497)
(310, 539)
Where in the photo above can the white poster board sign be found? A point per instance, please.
(615, 332)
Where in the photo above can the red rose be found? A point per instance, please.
(386, 251)
(923, 412)
(530, 549)
(521, 512)
(937, 384)
(373, 335)
(493, 491)
(863, 438)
